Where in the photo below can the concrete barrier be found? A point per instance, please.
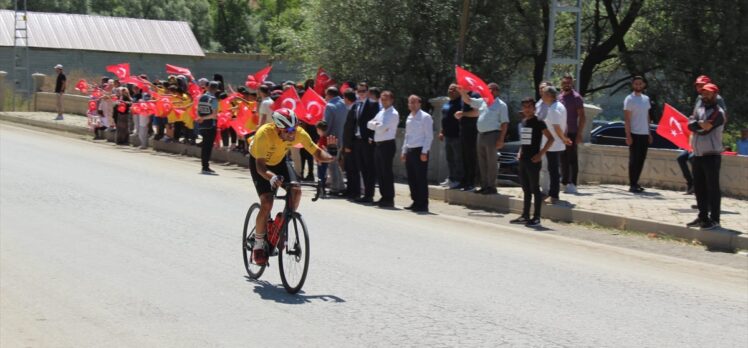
(609, 165)
(71, 104)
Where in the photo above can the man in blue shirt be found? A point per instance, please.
(742, 145)
(335, 114)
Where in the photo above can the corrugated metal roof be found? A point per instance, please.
(99, 33)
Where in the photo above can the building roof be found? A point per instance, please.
(100, 33)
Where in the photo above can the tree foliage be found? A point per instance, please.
(410, 46)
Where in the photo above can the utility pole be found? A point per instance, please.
(576, 59)
(460, 54)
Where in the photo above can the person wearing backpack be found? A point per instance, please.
(207, 110)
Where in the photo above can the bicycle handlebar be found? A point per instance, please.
(288, 184)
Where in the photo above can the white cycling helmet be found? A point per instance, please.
(285, 118)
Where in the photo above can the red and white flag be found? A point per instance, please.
(344, 87)
(322, 81)
(314, 105)
(674, 127)
(261, 75)
(120, 70)
(176, 70)
(473, 83)
(290, 100)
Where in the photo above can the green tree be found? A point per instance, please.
(232, 26)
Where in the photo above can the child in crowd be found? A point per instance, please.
(322, 167)
(531, 154)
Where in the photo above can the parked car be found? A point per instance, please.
(614, 133)
(508, 163)
(605, 133)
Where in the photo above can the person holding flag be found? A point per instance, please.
(636, 123)
(707, 124)
(492, 124)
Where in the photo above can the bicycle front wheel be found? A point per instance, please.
(294, 255)
(248, 242)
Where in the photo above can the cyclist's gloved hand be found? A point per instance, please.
(276, 181)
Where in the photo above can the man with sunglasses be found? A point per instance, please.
(269, 169)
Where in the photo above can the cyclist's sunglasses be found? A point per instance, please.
(289, 129)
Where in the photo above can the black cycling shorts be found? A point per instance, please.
(262, 185)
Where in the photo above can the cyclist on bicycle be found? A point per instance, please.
(268, 168)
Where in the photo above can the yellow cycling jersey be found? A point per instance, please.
(268, 144)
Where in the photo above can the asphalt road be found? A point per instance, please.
(103, 246)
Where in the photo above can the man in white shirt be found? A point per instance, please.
(419, 133)
(555, 120)
(541, 110)
(636, 122)
(264, 108)
(384, 125)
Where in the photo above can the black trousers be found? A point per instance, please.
(637, 155)
(384, 153)
(366, 163)
(226, 134)
(352, 175)
(529, 176)
(123, 132)
(209, 136)
(417, 179)
(683, 158)
(706, 186)
(553, 174)
(570, 161)
(307, 160)
(469, 139)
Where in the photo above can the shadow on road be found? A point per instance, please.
(278, 294)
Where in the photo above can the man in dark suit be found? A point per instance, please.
(352, 173)
(360, 139)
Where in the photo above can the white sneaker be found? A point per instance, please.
(570, 188)
(445, 183)
(259, 244)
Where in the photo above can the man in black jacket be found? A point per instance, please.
(352, 173)
(359, 140)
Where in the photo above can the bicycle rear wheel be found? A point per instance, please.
(294, 255)
(248, 242)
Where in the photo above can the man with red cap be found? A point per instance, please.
(686, 157)
(699, 84)
(707, 124)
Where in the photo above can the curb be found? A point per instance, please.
(46, 124)
(712, 239)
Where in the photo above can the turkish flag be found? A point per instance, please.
(176, 70)
(314, 105)
(473, 83)
(194, 91)
(137, 81)
(261, 75)
(674, 127)
(322, 81)
(82, 86)
(290, 100)
(344, 87)
(120, 70)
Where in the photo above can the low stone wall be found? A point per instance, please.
(609, 165)
(72, 104)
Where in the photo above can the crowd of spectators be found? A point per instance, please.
(365, 120)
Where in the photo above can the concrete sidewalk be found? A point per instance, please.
(655, 211)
